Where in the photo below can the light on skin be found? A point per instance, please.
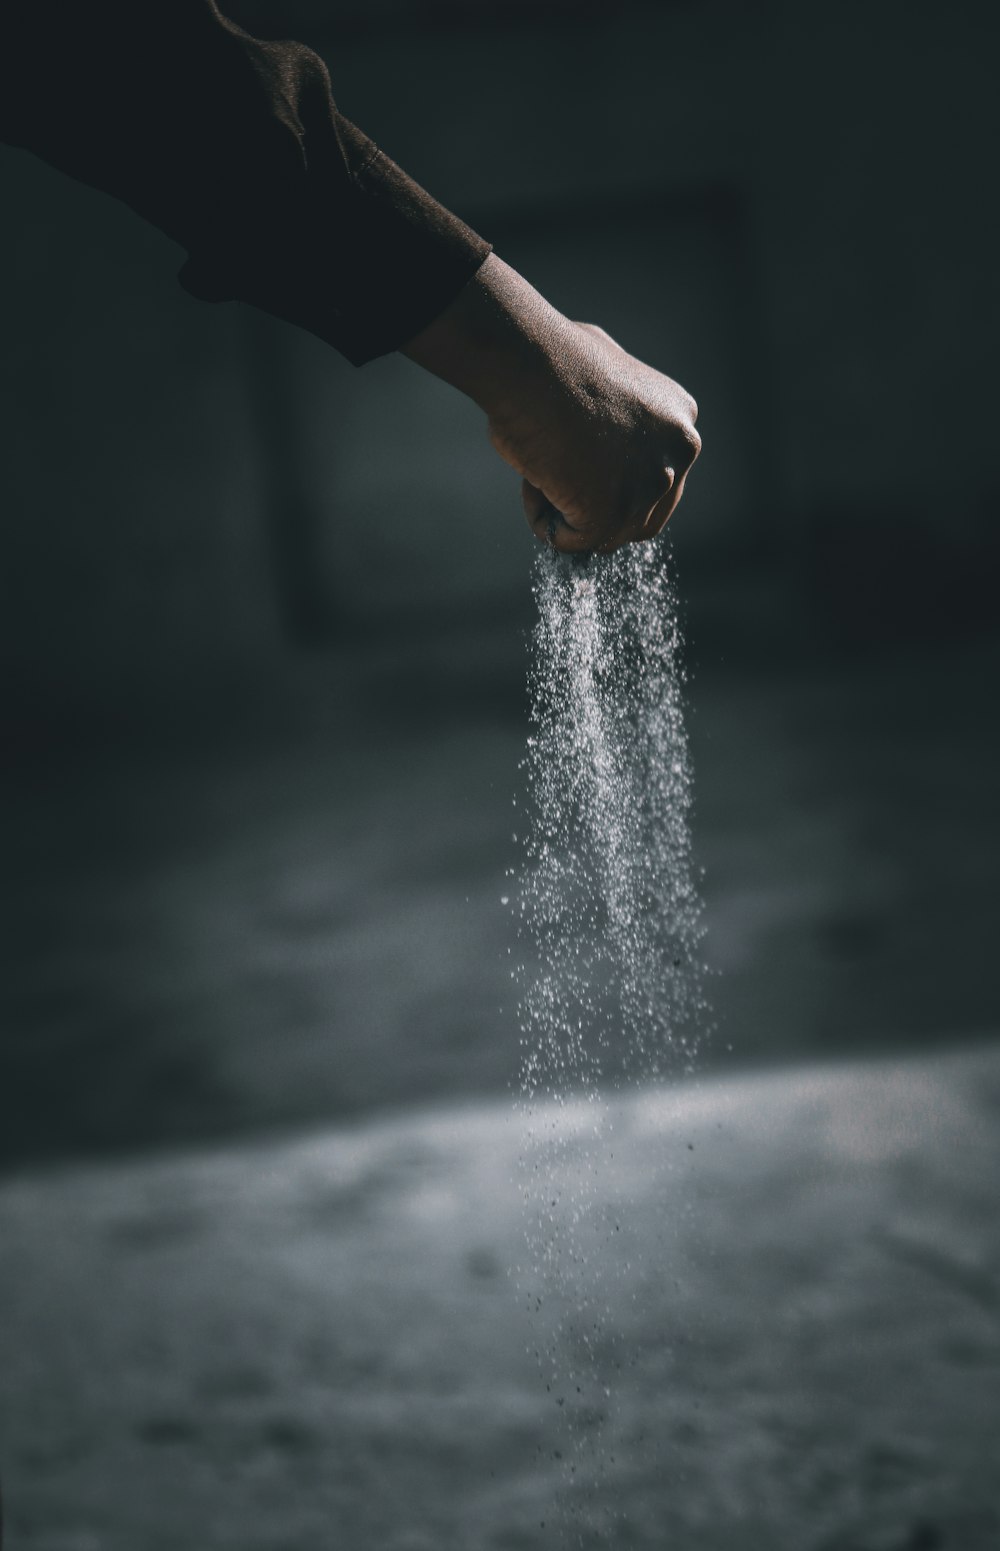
(603, 442)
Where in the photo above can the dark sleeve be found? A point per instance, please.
(235, 148)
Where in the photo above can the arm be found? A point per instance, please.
(236, 149)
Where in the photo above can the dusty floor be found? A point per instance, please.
(296, 1347)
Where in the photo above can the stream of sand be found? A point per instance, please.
(612, 986)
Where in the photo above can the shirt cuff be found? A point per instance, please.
(364, 268)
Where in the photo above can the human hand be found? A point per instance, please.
(602, 441)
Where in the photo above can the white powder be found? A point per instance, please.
(609, 924)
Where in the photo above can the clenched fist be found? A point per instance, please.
(603, 442)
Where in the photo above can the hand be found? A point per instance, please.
(603, 442)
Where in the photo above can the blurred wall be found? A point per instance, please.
(789, 207)
(134, 566)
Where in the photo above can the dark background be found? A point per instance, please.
(264, 617)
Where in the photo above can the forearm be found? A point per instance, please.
(236, 149)
(497, 331)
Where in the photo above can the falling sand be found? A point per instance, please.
(610, 980)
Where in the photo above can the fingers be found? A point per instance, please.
(541, 514)
(651, 515)
(550, 527)
(665, 506)
(668, 502)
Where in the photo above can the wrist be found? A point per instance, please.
(493, 338)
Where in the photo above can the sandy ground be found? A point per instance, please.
(318, 1344)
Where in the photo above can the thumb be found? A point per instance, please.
(548, 524)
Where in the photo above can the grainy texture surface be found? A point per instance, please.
(317, 1344)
